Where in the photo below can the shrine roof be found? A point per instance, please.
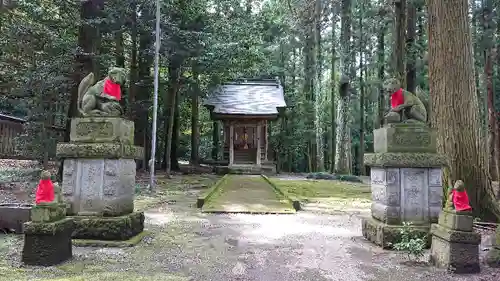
(254, 97)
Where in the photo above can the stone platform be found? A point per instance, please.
(13, 216)
(455, 245)
(47, 243)
(118, 228)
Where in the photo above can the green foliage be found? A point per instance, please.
(412, 242)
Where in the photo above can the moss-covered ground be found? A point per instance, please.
(326, 195)
(247, 194)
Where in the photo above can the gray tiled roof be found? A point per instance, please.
(247, 98)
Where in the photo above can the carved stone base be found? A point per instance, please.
(404, 138)
(457, 251)
(102, 130)
(385, 235)
(99, 186)
(108, 228)
(47, 243)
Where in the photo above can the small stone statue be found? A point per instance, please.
(45, 190)
(405, 106)
(102, 98)
(458, 199)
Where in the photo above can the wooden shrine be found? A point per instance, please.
(245, 109)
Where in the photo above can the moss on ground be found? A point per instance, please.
(247, 194)
(312, 189)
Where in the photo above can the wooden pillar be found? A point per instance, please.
(266, 129)
(231, 144)
(259, 130)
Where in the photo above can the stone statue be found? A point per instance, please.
(102, 98)
(405, 106)
(458, 199)
(45, 190)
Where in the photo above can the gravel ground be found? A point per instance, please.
(322, 243)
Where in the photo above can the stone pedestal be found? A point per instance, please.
(493, 257)
(47, 237)
(405, 182)
(455, 245)
(99, 177)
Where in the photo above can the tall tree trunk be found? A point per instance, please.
(308, 87)
(174, 162)
(361, 151)
(399, 41)
(215, 140)
(342, 162)
(411, 24)
(317, 89)
(333, 140)
(120, 62)
(458, 131)
(144, 87)
(487, 45)
(195, 120)
(381, 75)
(170, 100)
(134, 71)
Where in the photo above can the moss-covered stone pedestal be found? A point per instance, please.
(47, 237)
(405, 182)
(99, 178)
(101, 231)
(455, 245)
(493, 257)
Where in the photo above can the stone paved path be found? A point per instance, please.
(247, 194)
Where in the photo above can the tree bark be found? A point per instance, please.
(317, 89)
(361, 151)
(195, 132)
(170, 100)
(411, 24)
(333, 140)
(455, 114)
(399, 41)
(343, 151)
(381, 76)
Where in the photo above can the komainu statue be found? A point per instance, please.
(405, 106)
(102, 98)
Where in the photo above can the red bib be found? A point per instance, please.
(461, 201)
(397, 98)
(112, 89)
(44, 191)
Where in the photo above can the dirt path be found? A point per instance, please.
(247, 194)
(187, 245)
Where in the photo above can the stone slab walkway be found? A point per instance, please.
(247, 194)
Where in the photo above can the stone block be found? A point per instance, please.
(13, 216)
(386, 235)
(48, 212)
(99, 186)
(102, 130)
(99, 151)
(457, 251)
(456, 221)
(405, 160)
(47, 244)
(404, 138)
(386, 214)
(108, 228)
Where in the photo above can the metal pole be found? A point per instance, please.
(155, 99)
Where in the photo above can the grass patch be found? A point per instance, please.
(306, 190)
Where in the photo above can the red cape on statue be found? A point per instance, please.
(461, 201)
(44, 191)
(112, 89)
(397, 98)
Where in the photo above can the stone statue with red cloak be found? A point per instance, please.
(102, 98)
(406, 107)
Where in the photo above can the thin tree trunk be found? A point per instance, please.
(399, 41)
(317, 89)
(381, 76)
(173, 76)
(411, 24)
(195, 132)
(361, 151)
(458, 131)
(333, 140)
